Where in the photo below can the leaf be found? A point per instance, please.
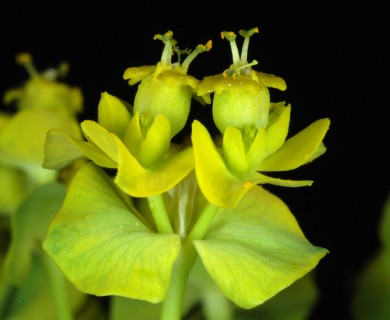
(234, 150)
(297, 150)
(23, 137)
(61, 150)
(296, 302)
(29, 226)
(218, 185)
(277, 129)
(103, 248)
(156, 143)
(256, 250)
(258, 178)
(101, 138)
(372, 290)
(384, 225)
(14, 187)
(34, 297)
(113, 114)
(138, 181)
(123, 308)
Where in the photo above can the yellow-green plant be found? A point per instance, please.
(31, 285)
(145, 217)
(371, 288)
(42, 103)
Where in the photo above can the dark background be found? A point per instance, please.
(334, 59)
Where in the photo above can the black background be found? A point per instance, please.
(333, 57)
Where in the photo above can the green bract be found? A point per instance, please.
(147, 162)
(165, 88)
(126, 256)
(251, 255)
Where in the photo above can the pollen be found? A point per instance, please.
(209, 45)
(229, 35)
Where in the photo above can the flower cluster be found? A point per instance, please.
(42, 103)
(31, 285)
(169, 203)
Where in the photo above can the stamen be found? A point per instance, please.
(63, 69)
(246, 34)
(169, 43)
(180, 53)
(231, 37)
(199, 49)
(25, 59)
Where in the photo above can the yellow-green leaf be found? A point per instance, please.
(257, 249)
(218, 185)
(103, 248)
(234, 150)
(61, 150)
(29, 227)
(14, 187)
(138, 181)
(102, 138)
(23, 137)
(156, 143)
(113, 114)
(297, 150)
(277, 129)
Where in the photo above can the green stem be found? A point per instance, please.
(58, 286)
(202, 224)
(6, 292)
(172, 305)
(160, 215)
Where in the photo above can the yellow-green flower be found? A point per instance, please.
(140, 149)
(166, 88)
(254, 132)
(44, 90)
(241, 95)
(42, 103)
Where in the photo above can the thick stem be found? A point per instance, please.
(58, 286)
(160, 215)
(172, 305)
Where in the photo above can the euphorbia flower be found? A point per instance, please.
(254, 132)
(142, 240)
(137, 140)
(42, 103)
(44, 90)
(147, 162)
(166, 88)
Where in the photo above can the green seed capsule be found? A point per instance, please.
(166, 88)
(241, 95)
